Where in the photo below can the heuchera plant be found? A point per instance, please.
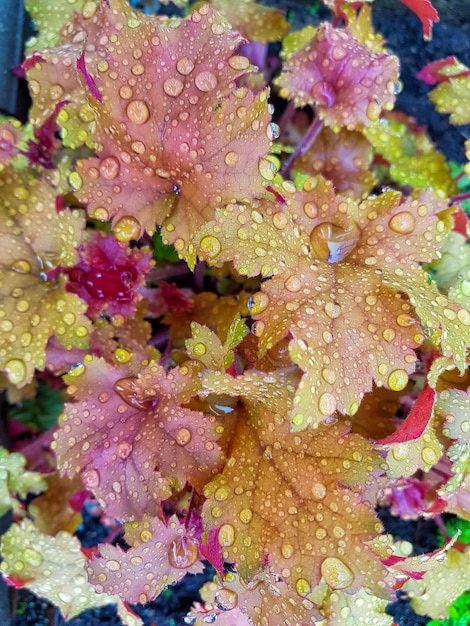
(255, 285)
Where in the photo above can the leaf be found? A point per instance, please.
(287, 498)
(441, 586)
(344, 158)
(35, 241)
(318, 249)
(192, 142)
(416, 421)
(412, 157)
(131, 439)
(41, 411)
(160, 555)
(451, 272)
(453, 407)
(343, 609)
(206, 347)
(108, 275)
(253, 20)
(49, 19)
(348, 84)
(49, 566)
(52, 511)
(16, 481)
(452, 93)
(426, 13)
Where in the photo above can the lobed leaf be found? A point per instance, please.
(300, 513)
(160, 555)
(16, 481)
(348, 84)
(36, 240)
(54, 568)
(131, 439)
(453, 407)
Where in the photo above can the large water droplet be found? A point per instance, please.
(124, 450)
(205, 81)
(402, 223)
(258, 303)
(137, 111)
(129, 391)
(183, 552)
(226, 536)
(238, 62)
(210, 246)
(90, 478)
(109, 167)
(302, 586)
(184, 66)
(333, 243)
(398, 380)
(173, 87)
(127, 228)
(183, 436)
(15, 369)
(336, 574)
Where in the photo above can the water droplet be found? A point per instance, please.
(238, 62)
(6, 326)
(403, 223)
(76, 370)
(405, 320)
(33, 557)
(122, 355)
(199, 349)
(231, 158)
(210, 246)
(22, 266)
(183, 436)
(126, 92)
(267, 169)
(173, 87)
(429, 456)
(137, 111)
(328, 376)
(293, 284)
(205, 81)
(226, 599)
(373, 111)
(389, 334)
(287, 550)
(146, 536)
(101, 214)
(336, 574)
(129, 391)
(332, 309)
(400, 451)
(90, 478)
(109, 168)
(302, 587)
(112, 565)
(222, 493)
(318, 491)
(16, 372)
(185, 66)
(272, 131)
(258, 303)
(183, 552)
(226, 536)
(124, 450)
(246, 515)
(127, 228)
(331, 242)
(398, 380)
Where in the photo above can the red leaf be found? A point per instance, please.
(426, 13)
(211, 550)
(90, 83)
(431, 73)
(416, 421)
(460, 222)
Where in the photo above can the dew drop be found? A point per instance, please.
(126, 92)
(246, 515)
(332, 309)
(129, 391)
(76, 370)
(258, 303)
(336, 574)
(205, 81)
(15, 369)
(21, 266)
(405, 320)
(267, 169)
(127, 228)
(183, 552)
(373, 111)
(222, 494)
(185, 66)
(272, 131)
(199, 349)
(226, 599)
(124, 450)
(400, 452)
(138, 112)
(389, 334)
(101, 214)
(331, 242)
(33, 557)
(403, 223)
(210, 246)
(90, 478)
(226, 536)
(122, 355)
(146, 536)
(6, 326)
(293, 284)
(173, 87)
(328, 375)
(302, 586)
(112, 565)
(318, 491)
(429, 456)
(183, 436)
(287, 550)
(398, 380)
(238, 62)
(109, 168)
(231, 158)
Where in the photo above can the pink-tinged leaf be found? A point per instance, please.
(88, 78)
(211, 550)
(439, 71)
(348, 84)
(426, 13)
(410, 498)
(170, 154)
(160, 555)
(131, 439)
(108, 275)
(41, 150)
(416, 420)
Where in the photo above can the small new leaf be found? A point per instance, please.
(16, 481)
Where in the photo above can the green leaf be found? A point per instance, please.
(15, 481)
(42, 411)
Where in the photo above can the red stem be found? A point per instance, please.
(460, 198)
(303, 146)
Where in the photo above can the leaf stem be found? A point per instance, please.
(303, 146)
(460, 198)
